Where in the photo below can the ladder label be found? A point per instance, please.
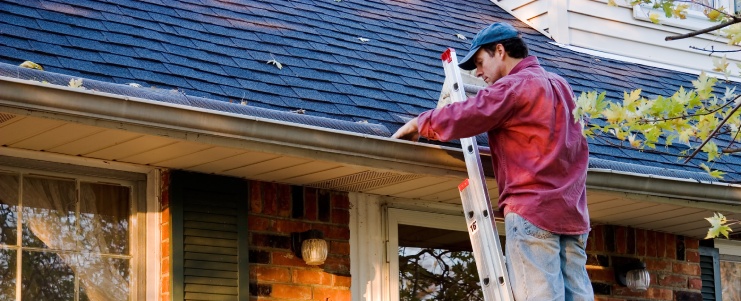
(473, 227)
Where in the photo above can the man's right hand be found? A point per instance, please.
(409, 131)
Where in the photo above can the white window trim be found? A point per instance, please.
(728, 247)
(695, 20)
(149, 217)
(398, 217)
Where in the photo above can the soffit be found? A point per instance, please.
(90, 141)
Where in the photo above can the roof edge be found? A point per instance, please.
(235, 130)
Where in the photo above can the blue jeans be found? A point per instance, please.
(543, 265)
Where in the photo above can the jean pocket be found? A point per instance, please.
(535, 231)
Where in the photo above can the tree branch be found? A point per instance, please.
(717, 128)
(733, 20)
(649, 121)
(712, 50)
(731, 150)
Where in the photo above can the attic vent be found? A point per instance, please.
(5, 117)
(364, 181)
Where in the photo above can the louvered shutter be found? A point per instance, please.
(209, 237)
(710, 273)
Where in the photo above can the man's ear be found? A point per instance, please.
(500, 50)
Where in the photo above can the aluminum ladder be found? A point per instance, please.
(487, 250)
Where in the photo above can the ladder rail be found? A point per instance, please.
(477, 207)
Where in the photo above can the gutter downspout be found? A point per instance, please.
(108, 110)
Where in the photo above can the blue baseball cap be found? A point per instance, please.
(494, 33)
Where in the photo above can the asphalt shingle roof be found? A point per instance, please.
(219, 50)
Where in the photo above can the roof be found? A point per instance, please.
(219, 51)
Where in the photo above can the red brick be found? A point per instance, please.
(641, 241)
(691, 269)
(660, 293)
(695, 283)
(270, 273)
(284, 200)
(287, 259)
(340, 216)
(165, 190)
(165, 248)
(257, 223)
(621, 240)
(599, 274)
(269, 198)
(340, 200)
(337, 265)
(301, 276)
(659, 265)
(291, 292)
(590, 241)
(341, 281)
(339, 247)
(335, 232)
(310, 204)
(165, 231)
(692, 256)
(651, 244)
(603, 298)
(660, 244)
(671, 246)
(331, 294)
(673, 281)
(165, 286)
(255, 197)
(623, 291)
(691, 243)
(290, 226)
(599, 238)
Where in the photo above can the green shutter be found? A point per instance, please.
(209, 237)
(710, 273)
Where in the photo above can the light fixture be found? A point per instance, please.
(633, 274)
(310, 246)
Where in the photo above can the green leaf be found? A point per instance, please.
(667, 7)
(717, 226)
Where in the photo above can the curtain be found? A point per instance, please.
(54, 218)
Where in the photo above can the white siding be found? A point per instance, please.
(593, 25)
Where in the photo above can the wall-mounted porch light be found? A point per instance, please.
(310, 246)
(633, 274)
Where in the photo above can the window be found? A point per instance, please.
(66, 237)
(430, 257)
(730, 267)
(696, 18)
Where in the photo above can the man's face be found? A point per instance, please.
(490, 67)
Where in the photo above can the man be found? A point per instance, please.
(540, 161)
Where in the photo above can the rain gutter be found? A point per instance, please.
(260, 134)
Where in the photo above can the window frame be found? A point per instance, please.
(695, 20)
(396, 217)
(139, 237)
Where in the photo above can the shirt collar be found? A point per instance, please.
(529, 61)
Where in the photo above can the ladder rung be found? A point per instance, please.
(472, 89)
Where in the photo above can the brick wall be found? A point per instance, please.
(165, 249)
(672, 261)
(276, 211)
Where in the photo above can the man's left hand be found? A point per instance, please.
(409, 131)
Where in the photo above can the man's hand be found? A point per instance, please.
(409, 131)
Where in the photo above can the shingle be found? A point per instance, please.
(19, 10)
(133, 41)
